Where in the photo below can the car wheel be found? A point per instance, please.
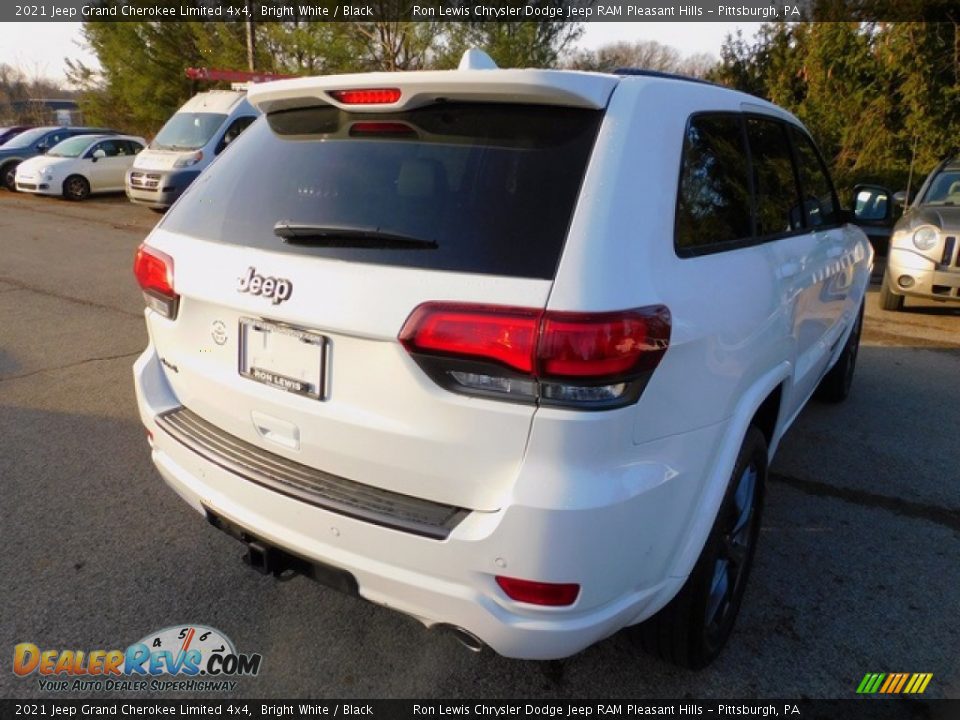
(835, 385)
(76, 187)
(694, 627)
(889, 300)
(8, 176)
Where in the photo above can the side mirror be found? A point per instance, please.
(99, 153)
(900, 198)
(871, 204)
(42, 148)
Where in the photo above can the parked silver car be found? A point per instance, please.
(924, 257)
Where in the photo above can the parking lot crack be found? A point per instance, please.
(18, 285)
(945, 517)
(70, 365)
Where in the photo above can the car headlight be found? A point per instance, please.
(925, 237)
(189, 160)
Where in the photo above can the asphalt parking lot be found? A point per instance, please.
(858, 569)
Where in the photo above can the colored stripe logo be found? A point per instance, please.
(894, 683)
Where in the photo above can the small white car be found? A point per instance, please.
(80, 166)
(508, 351)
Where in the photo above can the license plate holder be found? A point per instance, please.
(283, 356)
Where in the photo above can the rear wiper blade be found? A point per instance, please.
(348, 236)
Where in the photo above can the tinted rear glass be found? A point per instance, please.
(493, 186)
(713, 205)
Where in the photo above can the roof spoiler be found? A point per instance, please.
(476, 80)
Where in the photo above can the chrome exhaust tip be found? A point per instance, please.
(466, 638)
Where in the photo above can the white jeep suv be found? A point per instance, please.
(505, 350)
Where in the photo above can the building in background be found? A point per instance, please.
(41, 111)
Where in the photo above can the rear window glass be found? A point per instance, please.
(485, 188)
(713, 206)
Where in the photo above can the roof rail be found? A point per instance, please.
(643, 72)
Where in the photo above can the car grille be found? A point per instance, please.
(144, 181)
(330, 492)
(27, 186)
(948, 258)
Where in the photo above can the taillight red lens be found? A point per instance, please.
(610, 345)
(502, 334)
(368, 96)
(583, 360)
(154, 272)
(539, 593)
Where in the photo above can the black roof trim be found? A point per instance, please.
(642, 72)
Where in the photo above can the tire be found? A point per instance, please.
(889, 300)
(694, 627)
(159, 211)
(8, 176)
(76, 187)
(835, 385)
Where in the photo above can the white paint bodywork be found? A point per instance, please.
(620, 501)
(104, 174)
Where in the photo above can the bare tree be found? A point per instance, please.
(19, 92)
(641, 54)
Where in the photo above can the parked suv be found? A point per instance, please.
(924, 258)
(506, 350)
(36, 141)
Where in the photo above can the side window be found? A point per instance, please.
(108, 147)
(713, 203)
(233, 132)
(819, 201)
(777, 202)
(133, 147)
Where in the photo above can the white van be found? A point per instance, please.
(187, 143)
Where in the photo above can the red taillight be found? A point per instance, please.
(502, 334)
(154, 272)
(369, 96)
(539, 593)
(575, 359)
(602, 344)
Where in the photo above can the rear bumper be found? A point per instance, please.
(157, 188)
(616, 542)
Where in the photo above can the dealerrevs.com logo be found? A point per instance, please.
(200, 657)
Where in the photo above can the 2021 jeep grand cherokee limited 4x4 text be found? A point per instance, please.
(506, 350)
